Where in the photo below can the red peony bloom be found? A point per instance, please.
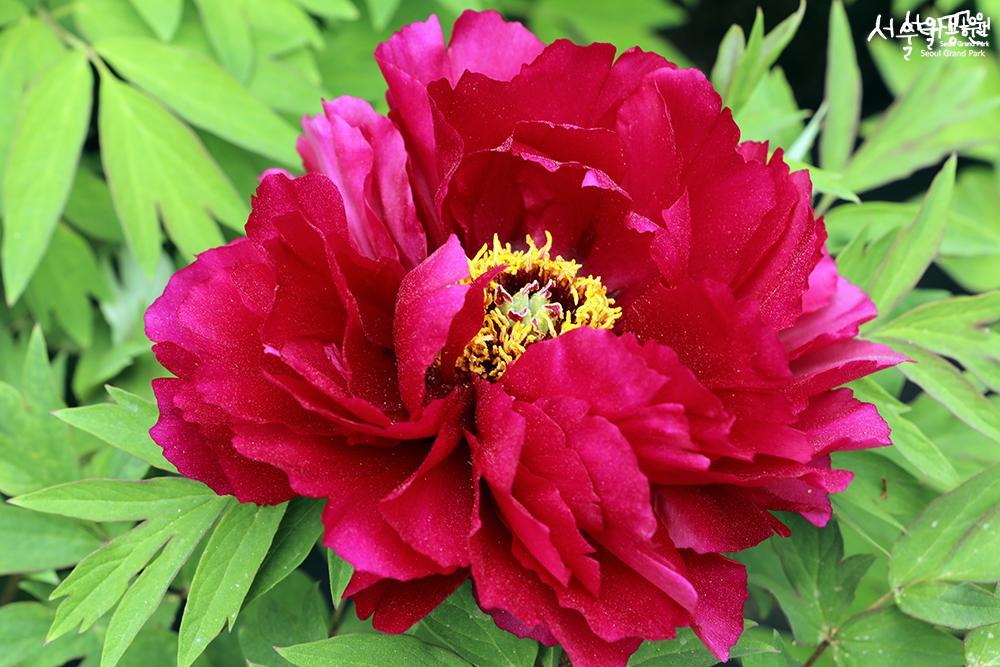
(550, 326)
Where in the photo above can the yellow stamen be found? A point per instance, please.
(548, 299)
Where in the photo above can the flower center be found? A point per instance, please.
(534, 298)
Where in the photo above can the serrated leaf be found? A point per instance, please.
(204, 94)
(460, 625)
(155, 164)
(291, 612)
(116, 500)
(143, 597)
(227, 567)
(229, 32)
(300, 527)
(843, 93)
(951, 540)
(163, 16)
(961, 606)
(982, 647)
(30, 542)
(124, 424)
(889, 635)
(369, 650)
(44, 152)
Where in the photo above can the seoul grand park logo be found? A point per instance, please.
(962, 34)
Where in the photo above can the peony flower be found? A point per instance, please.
(550, 327)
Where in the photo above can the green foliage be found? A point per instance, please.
(131, 137)
(459, 625)
(370, 649)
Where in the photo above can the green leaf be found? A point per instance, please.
(285, 88)
(105, 359)
(961, 606)
(882, 498)
(730, 51)
(370, 650)
(970, 251)
(750, 68)
(63, 284)
(381, 11)
(339, 572)
(26, 48)
(771, 114)
(229, 32)
(102, 578)
(688, 651)
(946, 384)
(22, 635)
(11, 10)
(823, 581)
(958, 328)
(124, 424)
(338, 10)
(30, 542)
(115, 500)
(760, 52)
(204, 94)
(938, 114)
(163, 16)
(143, 598)
(51, 126)
(843, 93)
(301, 526)
(955, 539)
(914, 247)
(231, 558)
(970, 451)
(919, 452)
(982, 647)
(291, 612)
(459, 625)
(281, 26)
(155, 164)
(89, 207)
(125, 307)
(36, 450)
(887, 634)
(825, 182)
(99, 19)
